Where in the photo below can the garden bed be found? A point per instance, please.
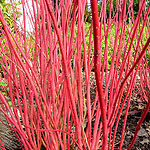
(135, 112)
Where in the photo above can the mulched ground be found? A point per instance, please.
(135, 112)
(143, 137)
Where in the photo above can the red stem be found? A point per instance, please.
(97, 66)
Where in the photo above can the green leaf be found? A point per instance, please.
(4, 93)
(2, 83)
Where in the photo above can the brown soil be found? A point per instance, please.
(143, 137)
